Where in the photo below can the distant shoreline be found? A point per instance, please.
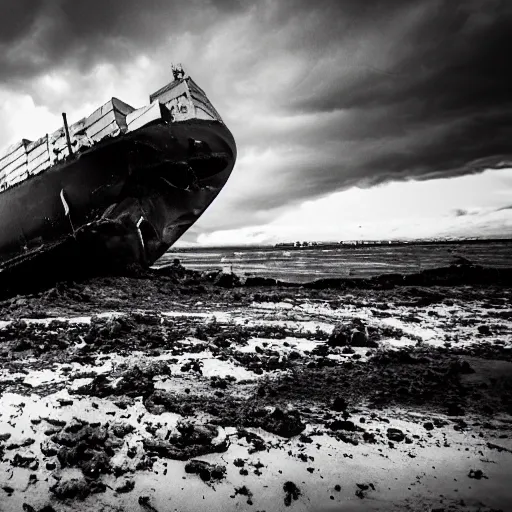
(335, 245)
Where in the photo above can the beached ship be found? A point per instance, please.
(116, 188)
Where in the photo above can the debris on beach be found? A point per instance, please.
(112, 388)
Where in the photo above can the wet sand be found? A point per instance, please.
(183, 391)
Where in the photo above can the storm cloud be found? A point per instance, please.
(321, 96)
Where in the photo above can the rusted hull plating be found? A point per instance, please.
(123, 202)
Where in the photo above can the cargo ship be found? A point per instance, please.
(113, 190)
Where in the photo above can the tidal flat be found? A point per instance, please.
(180, 390)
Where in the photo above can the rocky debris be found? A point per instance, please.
(339, 404)
(363, 488)
(395, 434)
(280, 422)
(221, 382)
(76, 488)
(164, 401)
(22, 444)
(428, 380)
(494, 446)
(355, 333)
(477, 474)
(134, 382)
(244, 491)
(484, 330)
(28, 460)
(225, 279)
(291, 493)
(257, 443)
(461, 366)
(260, 282)
(346, 333)
(122, 429)
(28, 508)
(454, 409)
(125, 487)
(369, 437)
(191, 440)
(346, 425)
(359, 338)
(90, 449)
(206, 470)
(144, 502)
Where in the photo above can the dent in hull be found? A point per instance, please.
(129, 198)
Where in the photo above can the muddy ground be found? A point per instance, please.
(180, 391)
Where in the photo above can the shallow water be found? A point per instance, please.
(314, 263)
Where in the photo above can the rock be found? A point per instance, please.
(359, 338)
(369, 437)
(477, 474)
(339, 404)
(260, 281)
(343, 425)
(395, 434)
(461, 366)
(63, 402)
(74, 488)
(362, 488)
(162, 401)
(292, 492)
(257, 442)
(340, 336)
(24, 461)
(244, 491)
(226, 280)
(26, 442)
(455, 409)
(134, 382)
(206, 470)
(49, 449)
(484, 329)
(282, 423)
(122, 429)
(353, 333)
(87, 449)
(191, 441)
(126, 486)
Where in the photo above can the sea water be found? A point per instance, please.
(305, 264)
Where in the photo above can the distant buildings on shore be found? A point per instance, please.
(355, 243)
(344, 242)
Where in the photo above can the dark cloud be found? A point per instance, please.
(41, 35)
(16, 18)
(430, 97)
(340, 92)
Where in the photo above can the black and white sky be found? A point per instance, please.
(353, 119)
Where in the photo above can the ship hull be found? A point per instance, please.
(122, 203)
